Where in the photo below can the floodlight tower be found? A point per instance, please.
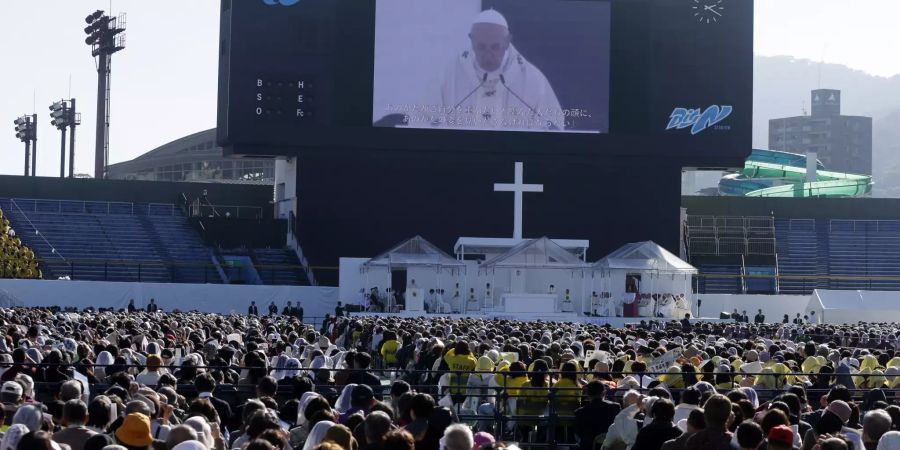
(106, 36)
(26, 131)
(63, 116)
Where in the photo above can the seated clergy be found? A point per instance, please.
(667, 307)
(645, 307)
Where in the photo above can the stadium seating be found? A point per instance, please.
(16, 259)
(811, 254)
(112, 241)
(797, 246)
(724, 279)
(279, 266)
(855, 254)
(864, 249)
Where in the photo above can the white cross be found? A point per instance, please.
(518, 187)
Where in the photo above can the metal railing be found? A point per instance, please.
(93, 207)
(199, 209)
(138, 270)
(811, 282)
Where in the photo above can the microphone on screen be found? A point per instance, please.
(551, 125)
(483, 80)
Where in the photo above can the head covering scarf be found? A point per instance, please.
(292, 368)
(13, 436)
(190, 445)
(304, 402)
(484, 364)
(810, 365)
(893, 377)
(319, 363)
(104, 359)
(317, 434)
(204, 432)
(869, 362)
(279, 364)
(871, 397)
(30, 416)
(877, 380)
(861, 379)
(752, 396)
(888, 441)
(673, 378)
(766, 379)
(343, 402)
(34, 354)
(843, 376)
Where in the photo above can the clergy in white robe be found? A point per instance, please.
(646, 306)
(491, 86)
(682, 307)
(667, 308)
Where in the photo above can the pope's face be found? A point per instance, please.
(489, 42)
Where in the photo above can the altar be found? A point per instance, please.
(415, 299)
(529, 303)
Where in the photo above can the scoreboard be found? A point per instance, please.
(290, 101)
(616, 78)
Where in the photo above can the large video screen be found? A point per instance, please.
(666, 79)
(540, 65)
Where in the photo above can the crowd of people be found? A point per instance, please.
(191, 381)
(16, 259)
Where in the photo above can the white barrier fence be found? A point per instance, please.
(214, 298)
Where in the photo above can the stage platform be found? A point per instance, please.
(616, 322)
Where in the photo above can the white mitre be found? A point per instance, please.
(491, 16)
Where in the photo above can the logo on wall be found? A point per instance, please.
(698, 120)
(281, 2)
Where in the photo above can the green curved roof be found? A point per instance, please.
(774, 165)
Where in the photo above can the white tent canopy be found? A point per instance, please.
(661, 281)
(644, 256)
(541, 253)
(414, 252)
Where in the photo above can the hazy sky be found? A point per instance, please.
(164, 82)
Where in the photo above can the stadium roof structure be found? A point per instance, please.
(414, 252)
(646, 255)
(178, 149)
(772, 173)
(195, 157)
(541, 253)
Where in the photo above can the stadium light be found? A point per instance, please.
(26, 131)
(105, 36)
(63, 117)
(93, 16)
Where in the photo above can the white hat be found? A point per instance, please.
(491, 16)
(11, 387)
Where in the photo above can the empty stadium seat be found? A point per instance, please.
(112, 241)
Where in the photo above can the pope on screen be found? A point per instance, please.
(493, 87)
